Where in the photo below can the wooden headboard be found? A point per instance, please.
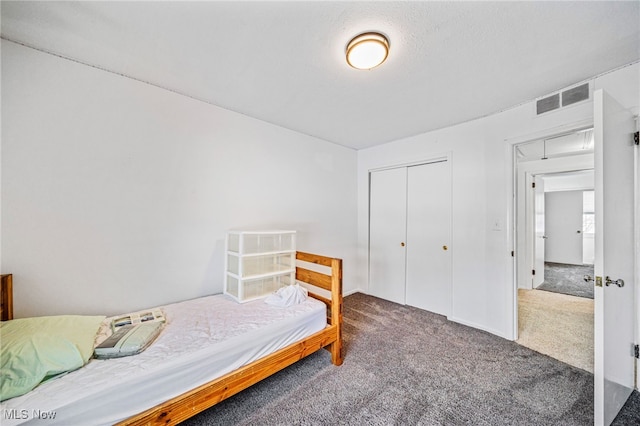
(330, 282)
(6, 297)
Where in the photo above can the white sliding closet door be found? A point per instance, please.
(428, 282)
(409, 231)
(387, 233)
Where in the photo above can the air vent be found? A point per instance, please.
(575, 95)
(569, 97)
(548, 104)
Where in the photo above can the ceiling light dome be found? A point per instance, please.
(367, 51)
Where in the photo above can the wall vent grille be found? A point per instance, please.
(575, 95)
(548, 104)
(562, 99)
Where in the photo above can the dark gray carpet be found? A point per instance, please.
(405, 366)
(630, 413)
(567, 279)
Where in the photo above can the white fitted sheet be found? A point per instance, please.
(203, 339)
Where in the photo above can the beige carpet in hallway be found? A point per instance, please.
(557, 325)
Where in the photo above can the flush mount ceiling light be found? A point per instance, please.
(367, 51)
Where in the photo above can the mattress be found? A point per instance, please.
(203, 339)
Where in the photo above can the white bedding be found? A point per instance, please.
(203, 339)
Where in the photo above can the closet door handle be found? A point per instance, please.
(445, 248)
(402, 244)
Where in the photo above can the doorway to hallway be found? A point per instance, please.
(555, 190)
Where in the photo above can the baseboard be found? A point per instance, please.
(479, 327)
(457, 320)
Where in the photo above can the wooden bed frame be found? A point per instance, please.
(199, 399)
(6, 297)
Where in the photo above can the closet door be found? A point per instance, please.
(428, 282)
(387, 231)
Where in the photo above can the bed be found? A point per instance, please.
(170, 389)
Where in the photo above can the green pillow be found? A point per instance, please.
(36, 349)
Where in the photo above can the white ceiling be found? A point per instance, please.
(283, 62)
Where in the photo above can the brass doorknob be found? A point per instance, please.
(401, 244)
(445, 248)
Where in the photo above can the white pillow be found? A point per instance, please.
(287, 296)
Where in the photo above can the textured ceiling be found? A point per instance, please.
(283, 62)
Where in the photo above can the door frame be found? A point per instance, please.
(524, 199)
(513, 230)
(436, 158)
(636, 204)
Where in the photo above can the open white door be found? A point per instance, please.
(614, 257)
(539, 230)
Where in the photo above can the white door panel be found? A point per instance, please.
(539, 231)
(428, 232)
(563, 227)
(614, 257)
(387, 233)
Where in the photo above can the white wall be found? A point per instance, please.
(570, 181)
(116, 194)
(482, 179)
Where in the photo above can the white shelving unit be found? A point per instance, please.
(257, 263)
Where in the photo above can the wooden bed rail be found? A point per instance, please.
(190, 403)
(6, 297)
